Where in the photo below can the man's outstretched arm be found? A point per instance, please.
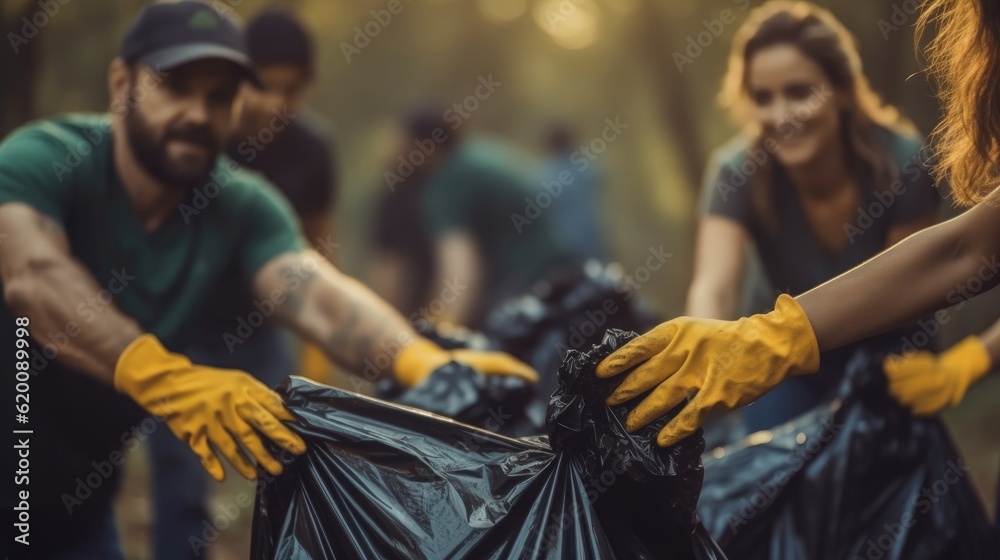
(203, 406)
(359, 331)
(43, 282)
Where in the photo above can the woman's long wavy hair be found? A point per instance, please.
(964, 59)
(823, 39)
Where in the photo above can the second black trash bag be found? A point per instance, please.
(382, 481)
(857, 479)
(454, 390)
(569, 309)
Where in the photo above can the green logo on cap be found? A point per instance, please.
(203, 19)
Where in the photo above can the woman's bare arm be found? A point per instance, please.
(931, 269)
(719, 263)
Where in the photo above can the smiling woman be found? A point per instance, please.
(818, 145)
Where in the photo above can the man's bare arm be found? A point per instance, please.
(43, 282)
(459, 261)
(358, 330)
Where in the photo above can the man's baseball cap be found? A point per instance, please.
(169, 34)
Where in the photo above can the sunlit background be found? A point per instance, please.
(579, 60)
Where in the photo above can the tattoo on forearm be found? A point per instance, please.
(352, 330)
(297, 284)
(353, 340)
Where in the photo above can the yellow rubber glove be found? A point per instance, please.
(313, 363)
(728, 363)
(418, 360)
(207, 407)
(926, 383)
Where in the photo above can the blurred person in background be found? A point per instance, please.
(403, 268)
(121, 229)
(576, 217)
(278, 137)
(300, 159)
(492, 233)
(819, 153)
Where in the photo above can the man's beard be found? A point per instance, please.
(151, 153)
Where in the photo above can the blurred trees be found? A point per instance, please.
(581, 60)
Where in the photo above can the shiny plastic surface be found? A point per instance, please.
(858, 478)
(384, 481)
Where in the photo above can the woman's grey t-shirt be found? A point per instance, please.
(792, 256)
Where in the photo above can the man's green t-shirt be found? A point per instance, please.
(485, 189)
(64, 168)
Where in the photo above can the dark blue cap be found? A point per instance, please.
(168, 35)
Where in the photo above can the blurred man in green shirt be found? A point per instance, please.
(492, 232)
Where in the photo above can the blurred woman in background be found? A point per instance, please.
(823, 177)
(680, 359)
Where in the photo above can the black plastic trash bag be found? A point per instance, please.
(382, 481)
(493, 402)
(461, 393)
(570, 309)
(857, 479)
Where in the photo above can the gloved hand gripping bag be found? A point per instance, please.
(568, 309)
(858, 477)
(459, 392)
(384, 481)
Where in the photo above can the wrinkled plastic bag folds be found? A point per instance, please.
(858, 478)
(385, 481)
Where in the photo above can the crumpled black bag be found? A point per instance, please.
(857, 478)
(457, 391)
(383, 481)
(568, 309)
